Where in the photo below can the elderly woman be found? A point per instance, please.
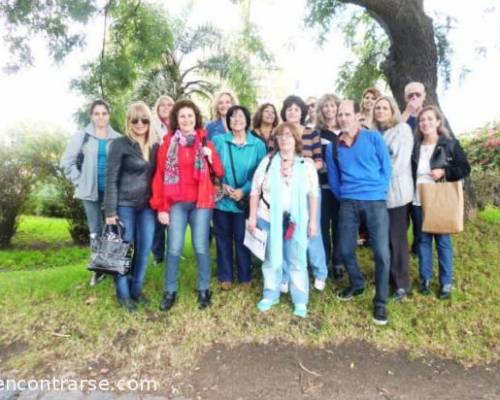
(84, 163)
(326, 126)
(130, 169)
(399, 139)
(367, 101)
(294, 110)
(264, 121)
(436, 155)
(284, 202)
(223, 101)
(183, 193)
(241, 153)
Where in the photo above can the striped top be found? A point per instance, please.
(311, 145)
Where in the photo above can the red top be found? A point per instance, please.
(189, 185)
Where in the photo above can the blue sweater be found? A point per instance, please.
(246, 160)
(215, 128)
(365, 168)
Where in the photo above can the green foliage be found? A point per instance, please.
(483, 152)
(369, 45)
(55, 21)
(44, 201)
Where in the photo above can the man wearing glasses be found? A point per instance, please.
(414, 97)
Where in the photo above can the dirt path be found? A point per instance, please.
(350, 371)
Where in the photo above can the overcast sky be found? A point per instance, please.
(41, 94)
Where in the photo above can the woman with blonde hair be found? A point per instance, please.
(399, 139)
(161, 116)
(223, 101)
(131, 164)
(284, 202)
(436, 155)
(367, 101)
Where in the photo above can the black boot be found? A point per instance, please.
(425, 287)
(204, 298)
(168, 301)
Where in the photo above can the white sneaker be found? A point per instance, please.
(284, 287)
(319, 284)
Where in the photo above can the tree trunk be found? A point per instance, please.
(412, 55)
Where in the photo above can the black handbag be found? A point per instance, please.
(244, 203)
(110, 254)
(216, 181)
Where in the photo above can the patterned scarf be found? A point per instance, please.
(172, 177)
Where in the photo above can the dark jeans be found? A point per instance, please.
(329, 227)
(159, 241)
(416, 228)
(139, 229)
(374, 212)
(229, 229)
(444, 250)
(398, 236)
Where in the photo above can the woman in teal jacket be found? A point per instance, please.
(240, 153)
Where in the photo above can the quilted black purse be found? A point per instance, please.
(110, 254)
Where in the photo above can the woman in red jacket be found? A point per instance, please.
(183, 193)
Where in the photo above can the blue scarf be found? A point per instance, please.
(299, 210)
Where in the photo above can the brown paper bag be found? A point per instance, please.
(443, 207)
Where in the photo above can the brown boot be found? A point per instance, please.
(226, 285)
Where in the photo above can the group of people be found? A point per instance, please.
(329, 168)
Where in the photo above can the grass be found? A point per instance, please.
(53, 322)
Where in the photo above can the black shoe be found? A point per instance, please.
(400, 295)
(142, 300)
(349, 293)
(380, 316)
(128, 304)
(168, 301)
(204, 298)
(445, 292)
(337, 272)
(425, 287)
(158, 260)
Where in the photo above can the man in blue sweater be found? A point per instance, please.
(359, 173)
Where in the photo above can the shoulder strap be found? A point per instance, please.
(236, 185)
(261, 197)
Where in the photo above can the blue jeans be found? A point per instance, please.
(444, 250)
(181, 214)
(94, 214)
(273, 274)
(229, 229)
(139, 229)
(377, 219)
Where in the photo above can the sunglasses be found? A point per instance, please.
(135, 121)
(415, 94)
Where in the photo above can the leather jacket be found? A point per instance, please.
(128, 176)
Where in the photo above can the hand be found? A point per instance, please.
(312, 229)
(228, 190)
(164, 217)
(437, 174)
(252, 224)
(208, 153)
(237, 194)
(112, 220)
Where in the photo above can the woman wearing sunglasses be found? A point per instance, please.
(131, 164)
(183, 193)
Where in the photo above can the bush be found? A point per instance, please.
(45, 200)
(483, 152)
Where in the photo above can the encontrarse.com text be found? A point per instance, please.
(82, 385)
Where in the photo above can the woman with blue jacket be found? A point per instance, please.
(84, 164)
(240, 153)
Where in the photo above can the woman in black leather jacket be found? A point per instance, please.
(131, 164)
(436, 156)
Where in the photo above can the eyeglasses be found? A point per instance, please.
(414, 94)
(135, 121)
